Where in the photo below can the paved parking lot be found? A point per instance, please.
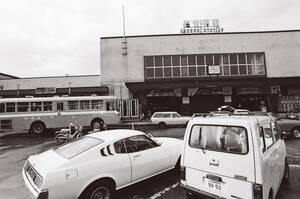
(15, 149)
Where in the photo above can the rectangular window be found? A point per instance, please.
(36, 106)
(268, 135)
(149, 61)
(158, 72)
(242, 58)
(260, 70)
(225, 59)
(158, 61)
(183, 60)
(229, 139)
(234, 69)
(200, 59)
(233, 59)
(201, 71)
(184, 71)
(175, 60)
(250, 58)
(2, 107)
(192, 60)
(85, 104)
(226, 70)
(251, 69)
(217, 59)
(47, 106)
(176, 71)
(97, 104)
(73, 105)
(167, 60)
(150, 72)
(209, 60)
(168, 72)
(242, 69)
(192, 71)
(22, 106)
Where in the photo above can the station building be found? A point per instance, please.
(192, 73)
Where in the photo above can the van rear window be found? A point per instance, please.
(230, 139)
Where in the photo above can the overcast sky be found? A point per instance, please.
(57, 37)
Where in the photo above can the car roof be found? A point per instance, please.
(116, 134)
(165, 112)
(234, 119)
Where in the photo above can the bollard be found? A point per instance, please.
(132, 126)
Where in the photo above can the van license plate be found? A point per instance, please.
(214, 185)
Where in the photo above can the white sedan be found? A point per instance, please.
(96, 165)
(169, 118)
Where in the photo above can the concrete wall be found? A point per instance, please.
(281, 48)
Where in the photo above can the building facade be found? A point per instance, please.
(11, 86)
(200, 72)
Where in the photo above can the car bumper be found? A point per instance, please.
(197, 192)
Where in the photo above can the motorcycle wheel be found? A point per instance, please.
(79, 135)
(60, 138)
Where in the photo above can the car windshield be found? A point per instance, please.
(231, 139)
(76, 147)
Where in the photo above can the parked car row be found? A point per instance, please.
(288, 127)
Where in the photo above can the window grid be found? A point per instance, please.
(256, 66)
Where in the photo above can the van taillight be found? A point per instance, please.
(257, 191)
(182, 173)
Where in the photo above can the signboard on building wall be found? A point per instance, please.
(157, 93)
(185, 100)
(214, 70)
(45, 90)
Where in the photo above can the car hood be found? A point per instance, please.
(46, 161)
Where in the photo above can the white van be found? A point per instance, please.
(233, 157)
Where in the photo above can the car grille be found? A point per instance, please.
(33, 174)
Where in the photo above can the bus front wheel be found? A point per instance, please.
(38, 128)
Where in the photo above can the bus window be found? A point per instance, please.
(60, 106)
(97, 104)
(35, 106)
(22, 106)
(85, 104)
(47, 106)
(110, 106)
(73, 105)
(2, 107)
(10, 107)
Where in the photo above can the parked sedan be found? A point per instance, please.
(288, 127)
(96, 165)
(168, 118)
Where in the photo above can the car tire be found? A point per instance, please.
(101, 189)
(37, 128)
(286, 174)
(296, 132)
(162, 125)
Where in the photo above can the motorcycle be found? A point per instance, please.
(71, 133)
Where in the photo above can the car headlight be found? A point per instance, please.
(38, 181)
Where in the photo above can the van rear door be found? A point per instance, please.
(219, 159)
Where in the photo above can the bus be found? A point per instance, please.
(38, 114)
